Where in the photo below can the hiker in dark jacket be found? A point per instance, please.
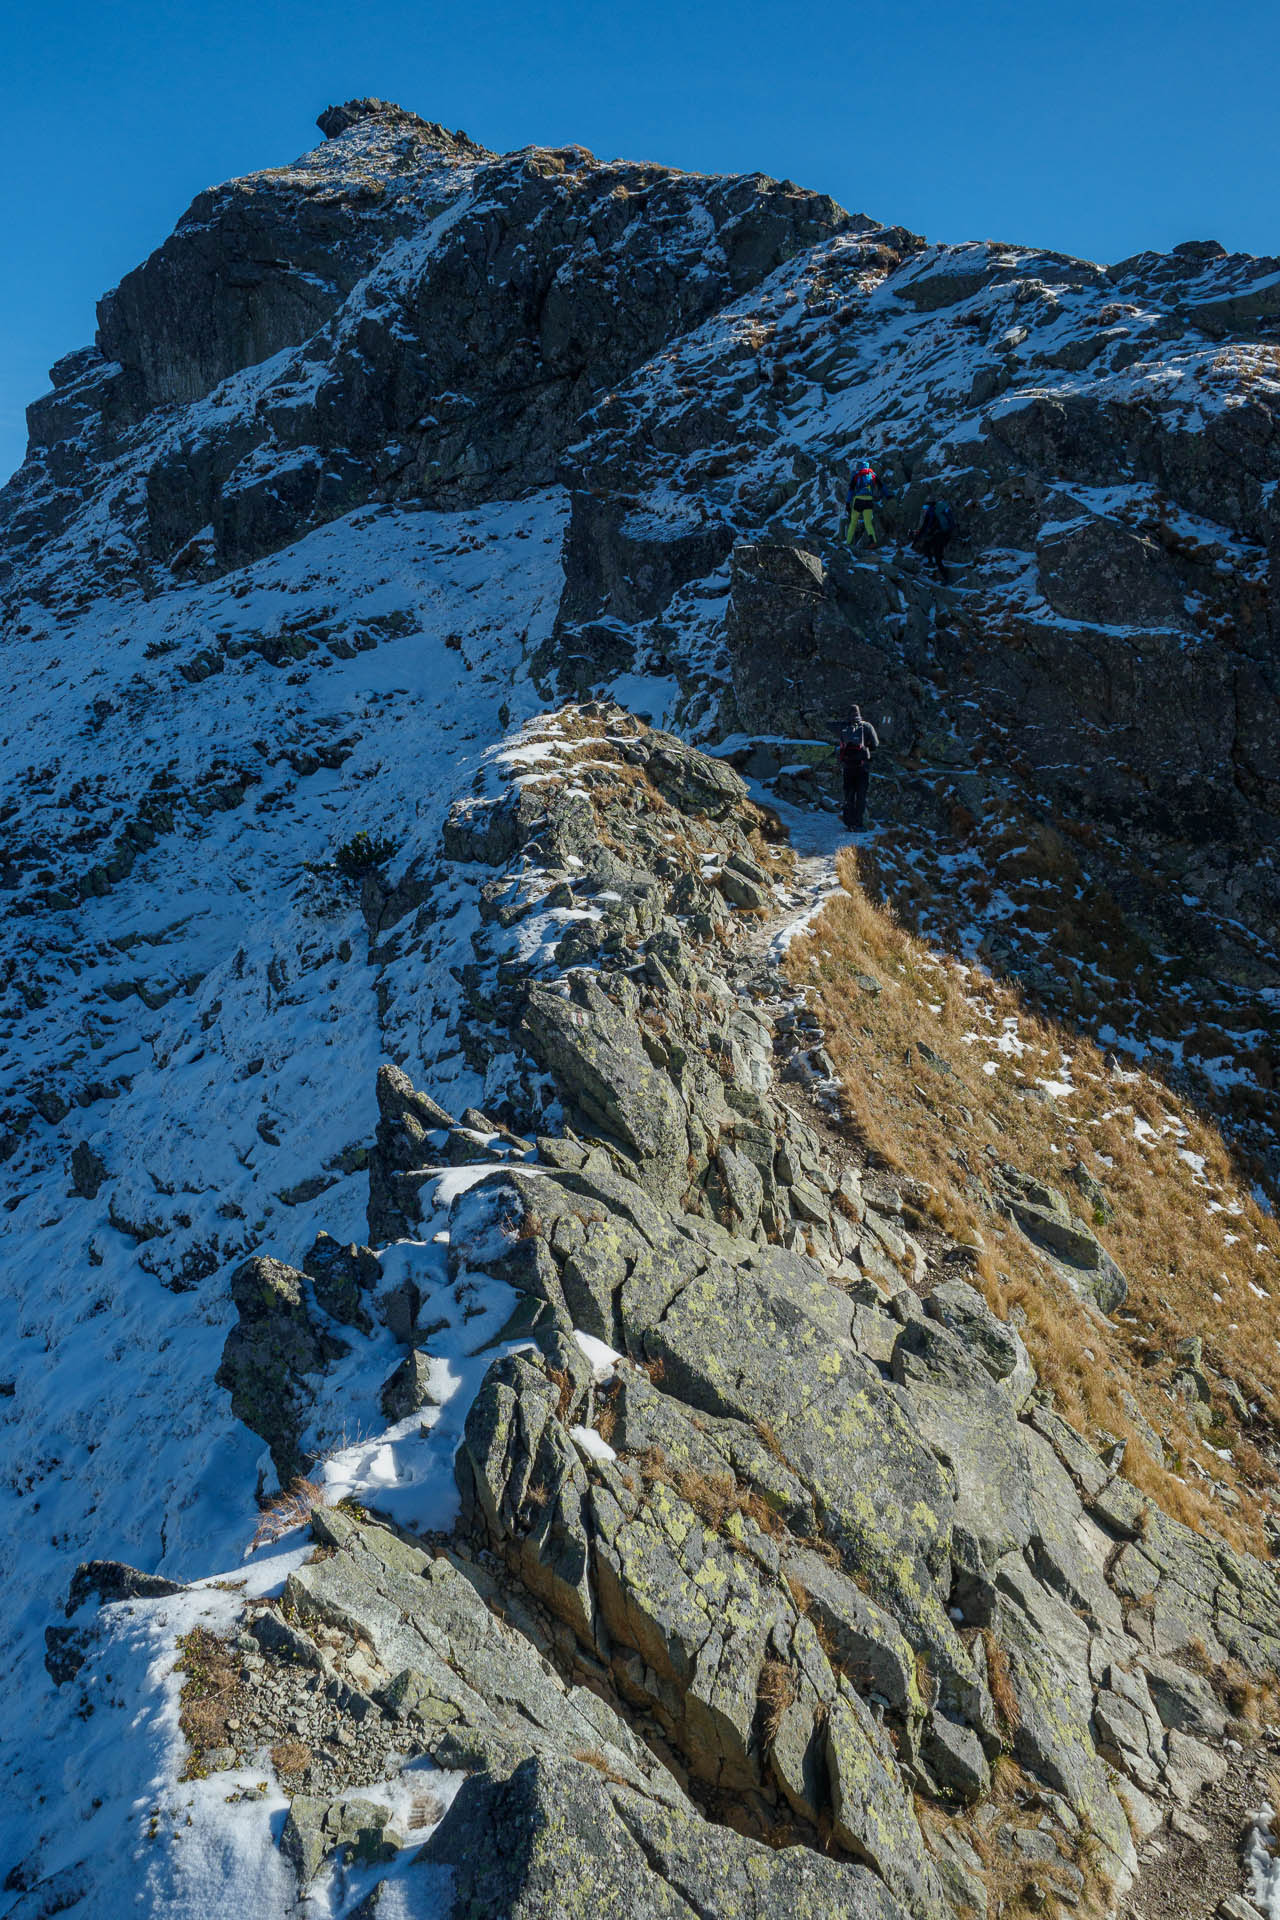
(937, 524)
(858, 741)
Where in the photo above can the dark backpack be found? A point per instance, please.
(853, 754)
(944, 519)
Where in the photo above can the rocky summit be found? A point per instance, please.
(572, 1347)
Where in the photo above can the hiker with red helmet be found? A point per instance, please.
(866, 493)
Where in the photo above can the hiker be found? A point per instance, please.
(858, 741)
(865, 494)
(937, 524)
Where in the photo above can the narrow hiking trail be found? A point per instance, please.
(1190, 1868)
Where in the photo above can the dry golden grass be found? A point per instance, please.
(592, 1757)
(1101, 961)
(1251, 366)
(770, 1442)
(1199, 1253)
(607, 1416)
(1016, 1889)
(754, 333)
(777, 858)
(563, 1384)
(714, 1497)
(1000, 1683)
(822, 1633)
(292, 1507)
(799, 1593)
(210, 1694)
(291, 1758)
(1251, 1698)
(776, 1689)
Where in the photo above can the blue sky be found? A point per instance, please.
(1095, 128)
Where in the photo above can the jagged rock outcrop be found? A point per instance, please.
(269, 1353)
(703, 1533)
(571, 1829)
(438, 368)
(816, 1542)
(259, 265)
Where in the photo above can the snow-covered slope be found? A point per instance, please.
(205, 1031)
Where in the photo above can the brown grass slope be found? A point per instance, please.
(1201, 1256)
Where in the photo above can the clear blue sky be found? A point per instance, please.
(1095, 128)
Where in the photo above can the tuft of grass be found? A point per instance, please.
(771, 1443)
(1253, 1698)
(210, 1695)
(1016, 1891)
(291, 1758)
(592, 1757)
(290, 1508)
(563, 1384)
(714, 1497)
(607, 1415)
(776, 1691)
(717, 1497)
(799, 1593)
(1000, 1684)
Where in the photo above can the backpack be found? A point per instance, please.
(864, 481)
(944, 519)
(854, 755)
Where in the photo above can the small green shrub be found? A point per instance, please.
(363, 853)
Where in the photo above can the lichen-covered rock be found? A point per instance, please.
(522, 1482)
(696, 783)
(813, 1496)
(698, 1615)
(407, 1122)
(269, 1353)
(358, 1831)
(1045, 1216)
(409, 1388)
(556, 1838)
(773, 1348)
(1047, 1647)
(962, 1310)
(599, 1060)
(871, 1814)
(488, 830)
(867, 1645)
(340, 1275)
(468, 1686)
(957, 1409)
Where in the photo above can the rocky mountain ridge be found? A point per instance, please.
(685, 1529)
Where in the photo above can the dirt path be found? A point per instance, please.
(1197, 1862)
